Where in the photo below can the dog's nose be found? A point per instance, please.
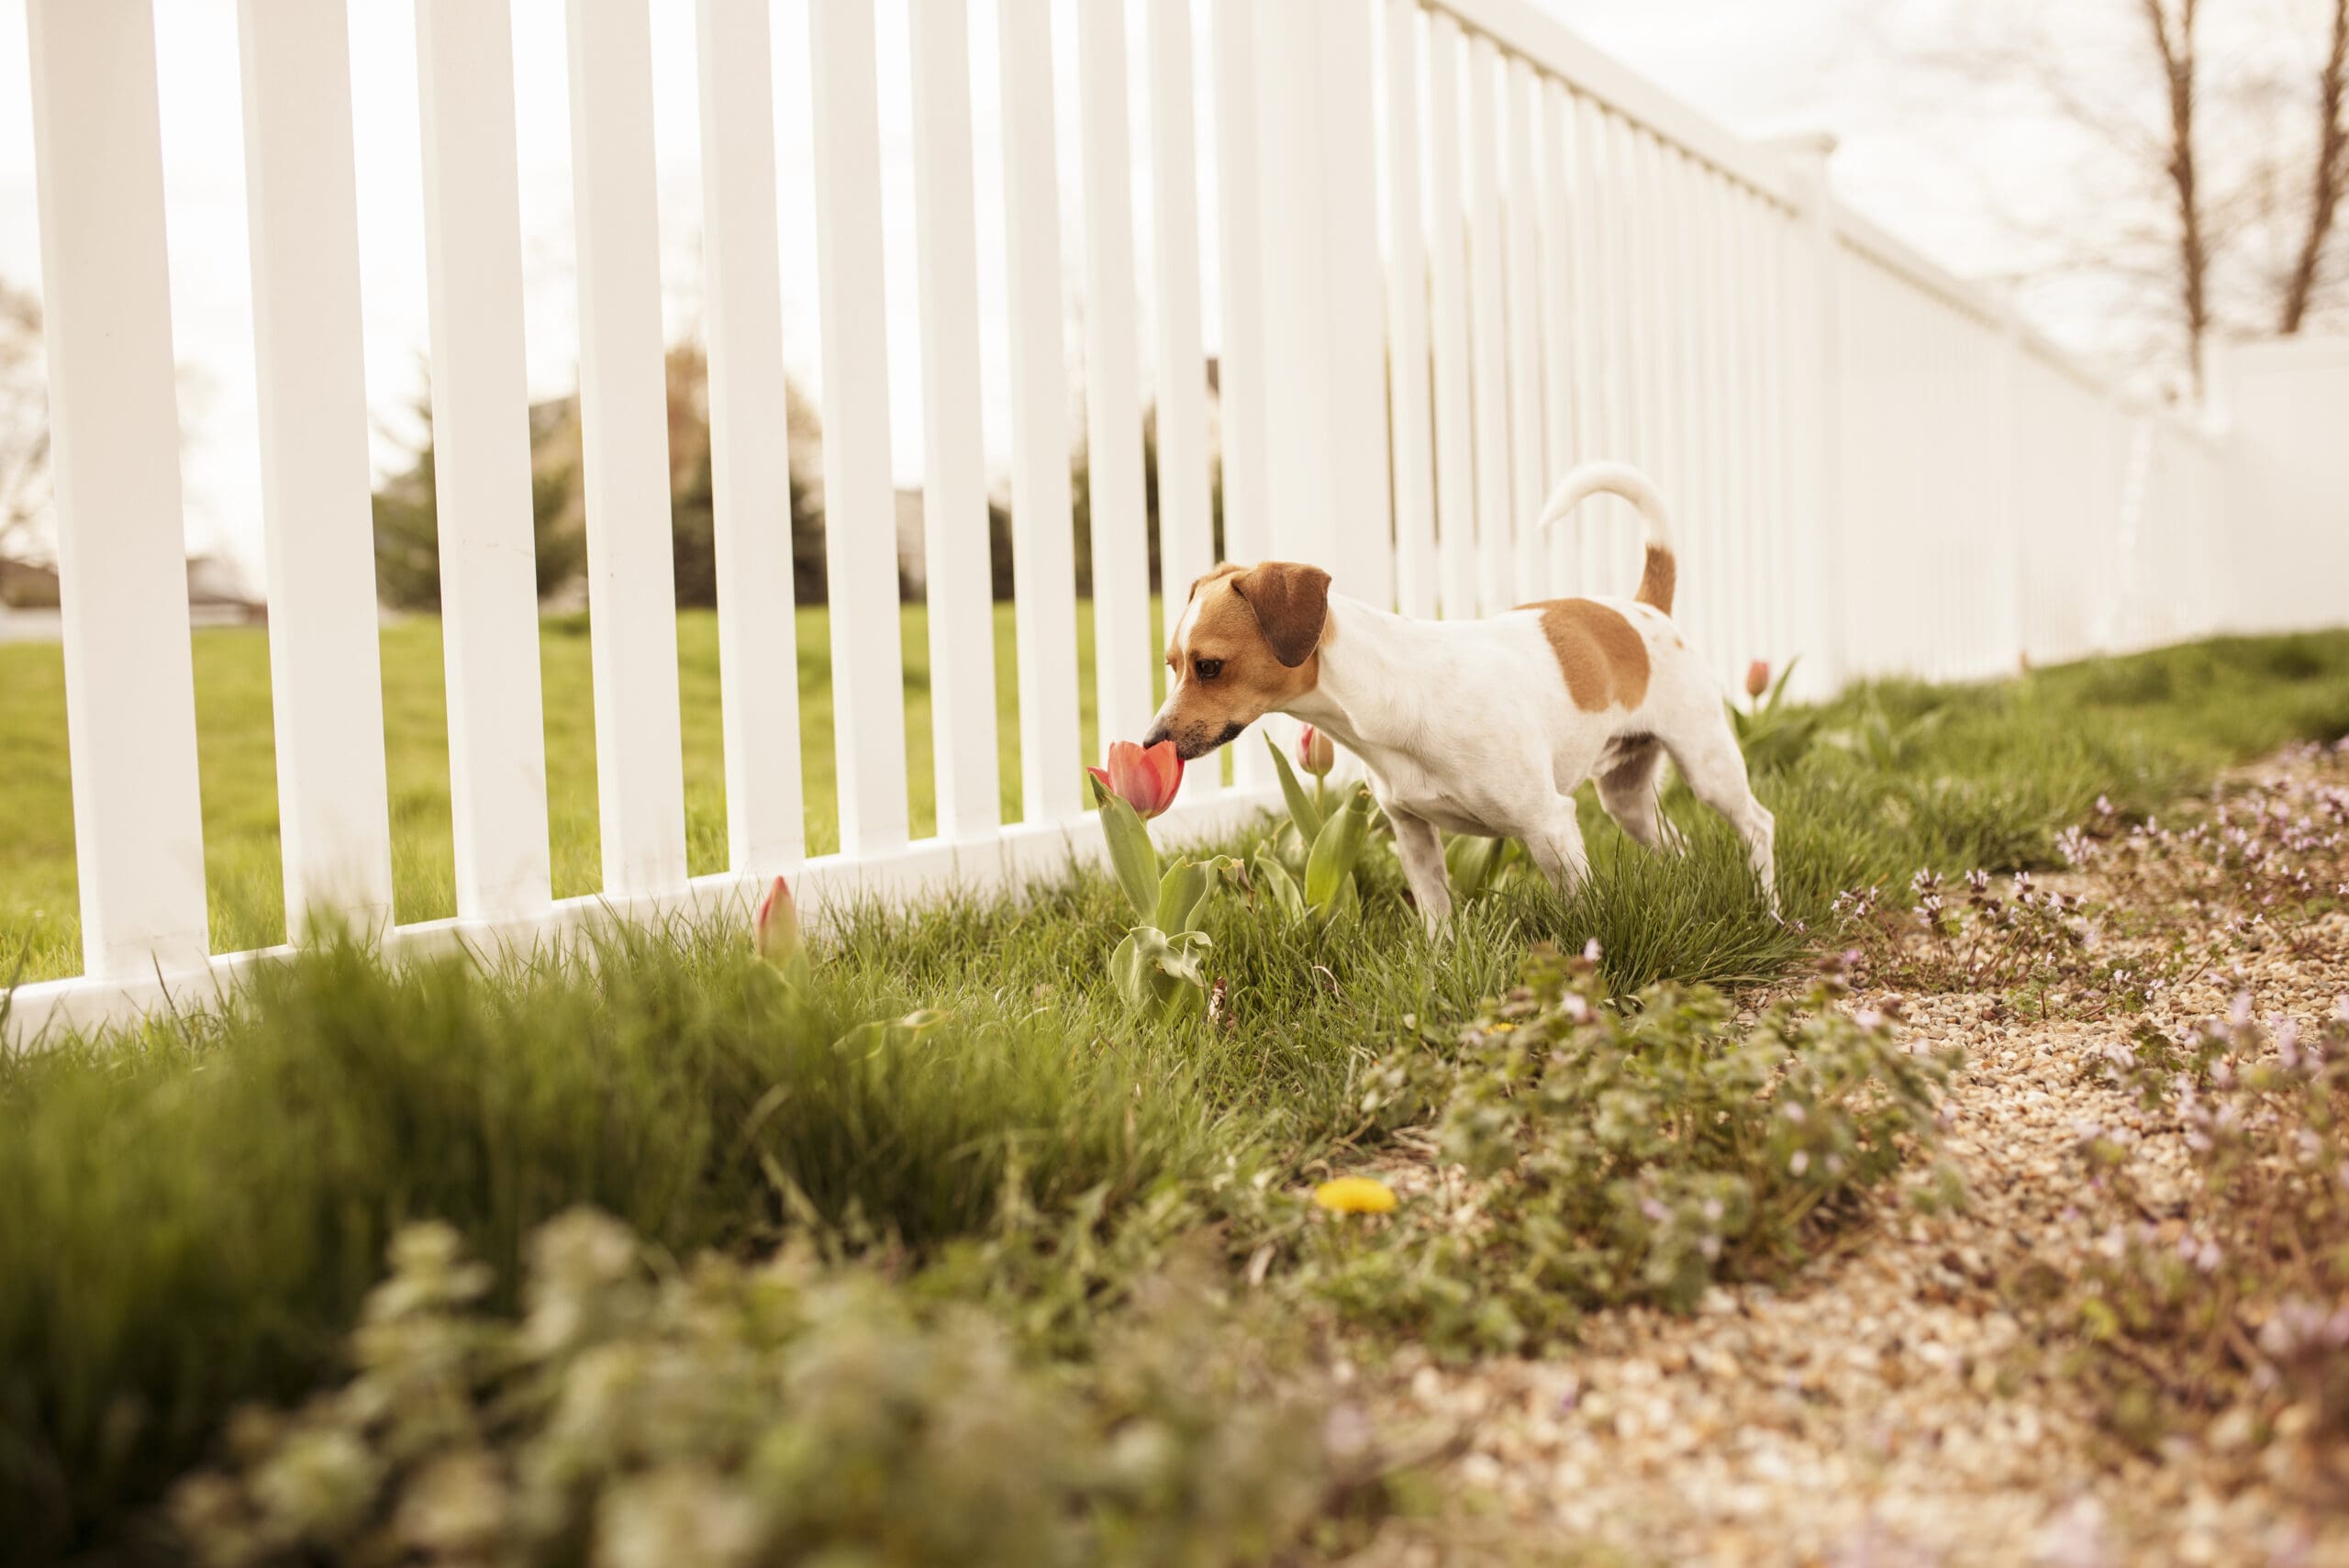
(1157, 733)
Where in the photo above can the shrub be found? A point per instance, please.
(1589, 1156)
(641, 1413)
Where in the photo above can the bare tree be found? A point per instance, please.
(2331, 173)
(2175, 43)
(2163, 177)
(24, 423)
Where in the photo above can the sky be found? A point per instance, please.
(1759, 66)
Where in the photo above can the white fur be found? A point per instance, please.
(1468, 727)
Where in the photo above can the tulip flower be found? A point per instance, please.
(1147, 781)
(1315, 754)
(777, 927)
(1757, 678)
(775, 933)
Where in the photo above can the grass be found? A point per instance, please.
(196, 1210)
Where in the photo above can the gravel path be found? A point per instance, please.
(1885, 1406)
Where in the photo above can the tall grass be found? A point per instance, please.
(193, 1211)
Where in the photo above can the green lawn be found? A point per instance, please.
(39, 922)
(197, 1209)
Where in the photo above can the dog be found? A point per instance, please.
(1483, 727)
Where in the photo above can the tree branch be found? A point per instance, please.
(2331, 172)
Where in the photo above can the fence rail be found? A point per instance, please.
(1455, 249)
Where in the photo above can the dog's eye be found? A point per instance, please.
(1207, 669)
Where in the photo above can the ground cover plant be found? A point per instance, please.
(200, 1211)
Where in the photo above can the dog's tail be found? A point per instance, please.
(1662, 568)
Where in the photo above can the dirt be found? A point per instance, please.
(1889, 1405)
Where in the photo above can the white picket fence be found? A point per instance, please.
(1458, 251)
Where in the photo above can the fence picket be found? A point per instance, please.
(1562, 281)
(750, 463)
(325, 680)
(489, 596)
(1115, 499)
(1521, 310)
(1185, 526)
(1455, 456)
(860, 506)
(1247, 520)
(624, 431)
(954, 482)
(1488, 331)
(1043, 556)
(114, 410)
(1406, 321)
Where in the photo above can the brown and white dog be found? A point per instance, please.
(1483, 727)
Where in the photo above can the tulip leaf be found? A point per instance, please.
(1130, 853)
(1471, 862)
(1153, 970)
(1335, 852)
(1181, 893)
(1300, 804)
(1274, 879)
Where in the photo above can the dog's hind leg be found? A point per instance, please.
(1715, 770)
(1421, 849)
(1629, 792)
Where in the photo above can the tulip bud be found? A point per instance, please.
(776, 931)
(1757, 678)
(1315, 753)
(1147, 780)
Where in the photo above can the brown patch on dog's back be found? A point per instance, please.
(1602, 654)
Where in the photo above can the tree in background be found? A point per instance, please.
(407, 522)
(2197, 149)
(24, 424)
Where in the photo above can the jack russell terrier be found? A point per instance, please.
(1482, 727)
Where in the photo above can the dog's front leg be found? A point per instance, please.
(1421, 849)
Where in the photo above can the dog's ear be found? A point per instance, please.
(1292, 604)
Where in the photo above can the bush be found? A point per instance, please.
(645, 1414)
(1585, 1156)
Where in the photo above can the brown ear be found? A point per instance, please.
(1291, 602)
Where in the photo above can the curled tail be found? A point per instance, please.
(1662, 568)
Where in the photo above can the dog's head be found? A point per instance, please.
(1247, 643)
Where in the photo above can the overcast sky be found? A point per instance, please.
(1760, 66)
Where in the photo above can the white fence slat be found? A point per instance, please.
(326, 680)
(114, 427)
(1455, 456)
(1523, 311)
(750, 454)
(954, 479)
(623, 436)
(1609, 521)
(1354, 303)
(1717, 373)
(1488, 332)
(1406, 321)
(1043, 553)
(1122, 656)
(1562, 279)
(1186, 520)
(489, 595)
(860, 502)
(1247, 504)
(1599, 414)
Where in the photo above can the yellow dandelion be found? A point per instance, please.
(1355, 1194)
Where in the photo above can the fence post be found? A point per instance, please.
(1325, 328)
(113, 425)
(2008, 422)
(1815, 332)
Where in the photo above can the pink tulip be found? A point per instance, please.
(1315, 754)
(1147, 780)
(1757, 678)
(777, 930)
